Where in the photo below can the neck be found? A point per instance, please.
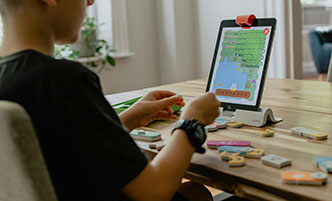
(26, 33)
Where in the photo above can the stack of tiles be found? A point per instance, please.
(211, 128)
(215, 126)
(214, 144)
(244, 151)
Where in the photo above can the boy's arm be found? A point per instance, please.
(162, 177)
(153, 106)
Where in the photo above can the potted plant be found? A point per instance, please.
(88, 45)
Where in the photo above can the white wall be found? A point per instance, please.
(177, 47)
(174, 40)
(141, 70)
(209, 15)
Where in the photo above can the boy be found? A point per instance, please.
(87, 149)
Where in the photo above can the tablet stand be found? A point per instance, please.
(251, 118)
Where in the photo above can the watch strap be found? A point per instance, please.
(195, 131)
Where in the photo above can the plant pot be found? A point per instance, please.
(85, 44)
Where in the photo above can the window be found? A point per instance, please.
(112, 15)
(102, 12)
(115, 29)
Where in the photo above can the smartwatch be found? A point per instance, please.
(195, 131)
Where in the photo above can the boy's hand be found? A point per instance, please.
(204, 108)
(153, 106)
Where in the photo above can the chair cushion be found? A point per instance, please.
(23, 172)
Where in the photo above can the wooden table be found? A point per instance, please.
(299, 103)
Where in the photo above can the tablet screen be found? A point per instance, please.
(238, 68)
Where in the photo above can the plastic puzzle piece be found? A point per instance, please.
(313, 134)
(214, 144)
(226, 155)
(211, 128)
(120, 107)
(231, 149)
(176, 108)
(244, 151)
(305, 178)
(157, 145)
(219, 125)
(221, 121)
(235, 124)
(256, 153)
(324, 163)
(236, 161)
(276, 161)
(267, 133)
(145, 135)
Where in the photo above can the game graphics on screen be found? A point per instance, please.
(241, 58)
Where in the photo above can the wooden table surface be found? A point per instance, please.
(300, 103)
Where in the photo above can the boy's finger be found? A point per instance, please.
(182, 104)
(161, 94)
(169, 110)
(166, 102)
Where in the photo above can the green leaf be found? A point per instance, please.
(88, 33)
(110, 60)
(98, 49)
(93, 64)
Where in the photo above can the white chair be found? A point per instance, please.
(23, 173)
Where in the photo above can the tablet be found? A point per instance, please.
(240, 63)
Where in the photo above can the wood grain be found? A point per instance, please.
(299, 103)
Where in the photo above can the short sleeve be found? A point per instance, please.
(104, 149)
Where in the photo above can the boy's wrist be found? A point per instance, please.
(195, 131)
(128, 120)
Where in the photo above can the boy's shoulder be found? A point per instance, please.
(34, 63)
(64, 67)
(29, 68)
(58, 70)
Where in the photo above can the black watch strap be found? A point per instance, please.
(195, 131)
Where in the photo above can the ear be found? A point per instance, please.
(50, 2)
(90, 2)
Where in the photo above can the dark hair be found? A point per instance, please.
(4, 4)
(9, 2)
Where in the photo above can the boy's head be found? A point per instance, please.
(61, 18)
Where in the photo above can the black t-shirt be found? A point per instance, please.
(89, 155)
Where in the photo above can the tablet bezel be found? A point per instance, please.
(231, 23)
